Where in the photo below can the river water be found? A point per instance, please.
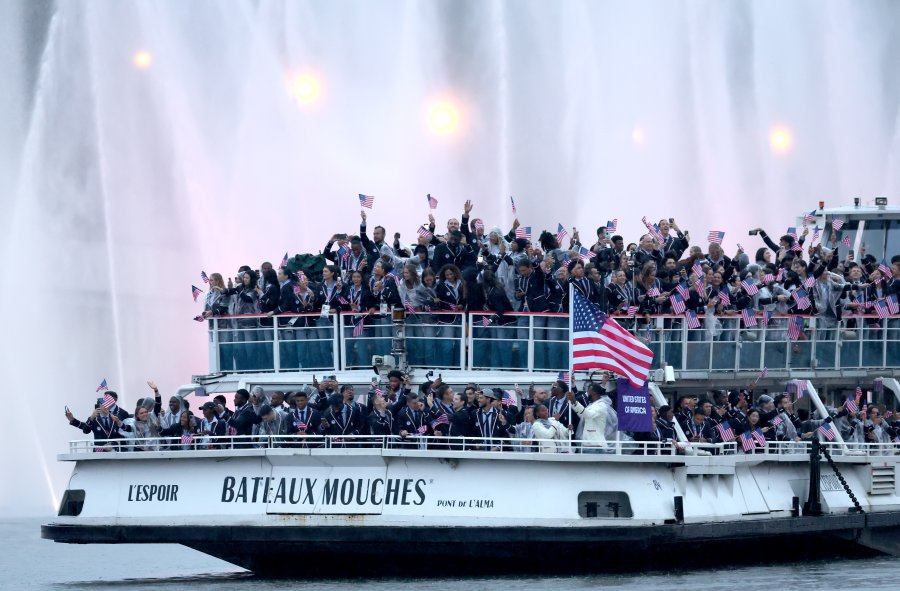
(28, 562)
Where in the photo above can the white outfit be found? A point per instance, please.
(593, 422)
(550, 435)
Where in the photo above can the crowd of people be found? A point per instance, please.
(476, 268)
(558, 419)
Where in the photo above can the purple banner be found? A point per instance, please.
(633, 406)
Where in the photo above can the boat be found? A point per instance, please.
(362, 505)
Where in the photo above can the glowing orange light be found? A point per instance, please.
(780, 140)
(638, 136)
(443, 117)
(305, 88)
(142, 60)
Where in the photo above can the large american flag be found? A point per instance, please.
(523, 232)
(432, 202)
(103, 386)
(196, 291)
(366, 201)
(716, 236)
(598, 342)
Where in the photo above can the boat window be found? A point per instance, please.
(72, 503)
(604, 505)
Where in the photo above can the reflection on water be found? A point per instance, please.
(29, 562)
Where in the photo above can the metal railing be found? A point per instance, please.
(724, 343)
(235, 445)
(540, 342)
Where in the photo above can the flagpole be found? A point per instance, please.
(571, 339)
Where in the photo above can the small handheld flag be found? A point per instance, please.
(584, 254)
(196, 291)
(423, 231)
(108, 401)
(837, 224)
(825, 431)
(795, 328)
(523, 232)
(513, 202)
(611, 225)
(716, 236)
(284, 261)
(560, 233)
(802, 298)
(726, 433)
(692, 320)
(807, 218)
(366, 201)
(563, 376)
(846, 241)
(749, 286)
(204, 277)
(749, 318)
(358, 328)
(199, 318)
(103, 386)
(187, 438)
(432, 202)
(507, 399)
(442, 419)
(677, 303)
(885, 267)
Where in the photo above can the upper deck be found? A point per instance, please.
(539, 343)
